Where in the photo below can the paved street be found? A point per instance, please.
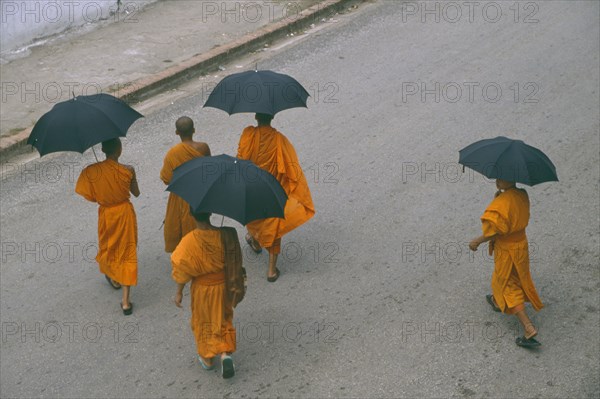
(379, 295)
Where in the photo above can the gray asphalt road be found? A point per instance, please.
(379, 296)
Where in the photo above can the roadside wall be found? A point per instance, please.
(26, 21)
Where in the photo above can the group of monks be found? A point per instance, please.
(199, 249)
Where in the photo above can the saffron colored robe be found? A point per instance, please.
(508, 216)
(108, 184)
(270, 150)
(200, 257)
(178, 219)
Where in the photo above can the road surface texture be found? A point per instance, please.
(379, 295)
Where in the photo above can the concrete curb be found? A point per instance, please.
(144, 88)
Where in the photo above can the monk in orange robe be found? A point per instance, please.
(270, 150)
(178, 220)
(503, 224)
(109, 183)
(200, 257)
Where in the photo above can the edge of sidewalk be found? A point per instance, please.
(146, 87)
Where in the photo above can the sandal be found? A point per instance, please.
(490, 299)
(227, 369)
(251, 241)
(112, 283)
(274, 278)
(528, 342)
(127, 311)
(204, 365)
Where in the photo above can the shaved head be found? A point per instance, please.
(185, 126)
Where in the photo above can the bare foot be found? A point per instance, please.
(255, 245)
(530, 331)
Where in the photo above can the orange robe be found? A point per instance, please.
(200, 257)
(108, 184)
(512, 286)
(178, 219)
(271, 151)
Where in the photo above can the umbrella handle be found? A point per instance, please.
(94, 151)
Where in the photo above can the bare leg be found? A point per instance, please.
(272, 265)
(125, 302)
(528, 327)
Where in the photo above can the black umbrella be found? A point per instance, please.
(79, 123)
(264, 92)
(510, 160)
(230, 187)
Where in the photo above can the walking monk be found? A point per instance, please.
(109, 183)
(270, 150)
(504, 223)
(201, 257)
(178, 220)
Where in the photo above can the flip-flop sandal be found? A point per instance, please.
(206, 366)
(274, 278)
(490, 300)
(527, 342)
(227, 369)
(250, 242)
(129, 310)
(112, 283)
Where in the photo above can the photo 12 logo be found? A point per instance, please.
(429, 332)
(319, 93)
(250, 11)
(295, 252)
(54, 172)
(69, 332)
(67, 12)
(27, 92)
(454, 12)
(470, 92)
(40, 252)
(454, 172)
(454, 251)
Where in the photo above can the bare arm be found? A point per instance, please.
(476, 242)
(202, 148)
(133, 186)
(179, 295)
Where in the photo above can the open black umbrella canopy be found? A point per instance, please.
(81, 122)
(230, 187)
(264, 92)
(508, 159)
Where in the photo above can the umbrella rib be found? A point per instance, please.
(525, 164)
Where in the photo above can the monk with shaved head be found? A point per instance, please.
(178, 220)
